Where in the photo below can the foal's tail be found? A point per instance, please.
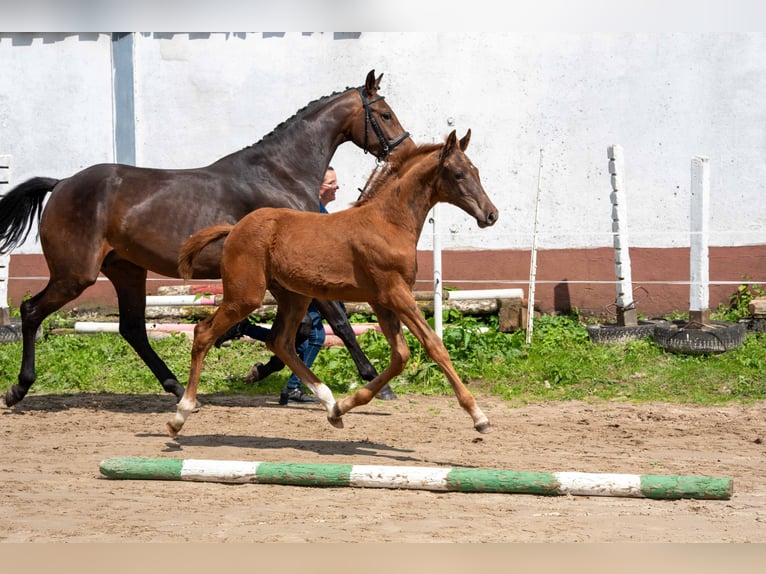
(19, 208)
(196, 243)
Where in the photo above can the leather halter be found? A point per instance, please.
(370, 119)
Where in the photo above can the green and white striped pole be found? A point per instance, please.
(420, 478)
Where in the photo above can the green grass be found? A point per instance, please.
(560, 364)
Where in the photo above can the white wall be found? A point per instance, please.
(664, 97)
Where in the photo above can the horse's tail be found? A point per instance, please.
(19, 208)
(196, 243)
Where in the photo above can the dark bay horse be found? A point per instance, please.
(364, 253)
(123, 220)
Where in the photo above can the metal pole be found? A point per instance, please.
(533, 258)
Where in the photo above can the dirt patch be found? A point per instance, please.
(53, 491)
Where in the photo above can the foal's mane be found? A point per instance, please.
(395, 166)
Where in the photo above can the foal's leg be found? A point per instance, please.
(205, 334)
(400, 354)
(241, 296)
(411, 316)
(291, 307)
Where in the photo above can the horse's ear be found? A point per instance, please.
(449, 146)
(371, 84)
(465, 139)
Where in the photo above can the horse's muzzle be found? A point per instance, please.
(489, 219)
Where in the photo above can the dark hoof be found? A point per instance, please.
(386, 394)
(483, 427)
(336, 422)
(335, 418)
(254, 375)
(13, 396)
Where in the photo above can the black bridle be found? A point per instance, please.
(387, 145)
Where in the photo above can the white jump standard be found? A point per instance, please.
(420, 478)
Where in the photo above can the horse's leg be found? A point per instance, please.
(333, 313)
(400, 354)
(291, 307)
(404, 305)
(56, 294)
(129, 282)
(206, 332)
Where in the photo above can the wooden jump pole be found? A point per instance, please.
(420, 478)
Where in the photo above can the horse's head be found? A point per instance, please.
(375, 127)
(459, 182)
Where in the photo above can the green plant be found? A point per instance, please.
(739, 302)
(560, 364)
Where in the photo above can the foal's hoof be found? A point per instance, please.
(335, 418)
(483, 427)
(336, 422)
(172, 430)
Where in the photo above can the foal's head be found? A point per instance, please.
(442, 170)
(458, 182)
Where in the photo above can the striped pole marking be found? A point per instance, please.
(420, 478)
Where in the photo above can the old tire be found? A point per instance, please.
(612, 333)
(712, 338)
(12, 333)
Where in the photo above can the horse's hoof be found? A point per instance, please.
(483, 427)
(172, 430)
(11, 398)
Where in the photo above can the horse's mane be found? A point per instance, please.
(299, 114)
(396, 165)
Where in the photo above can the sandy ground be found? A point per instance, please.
(53, 491)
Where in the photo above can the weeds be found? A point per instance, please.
(560, 364)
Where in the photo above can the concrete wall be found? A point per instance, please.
(664, 97)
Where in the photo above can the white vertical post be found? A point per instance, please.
(437, 243)
(5, 314)
(533, 257)
(5, 260)
(626, 313)
(698, 253)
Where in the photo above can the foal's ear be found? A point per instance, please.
(465, 139)
(449, 146)
(371, 84)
